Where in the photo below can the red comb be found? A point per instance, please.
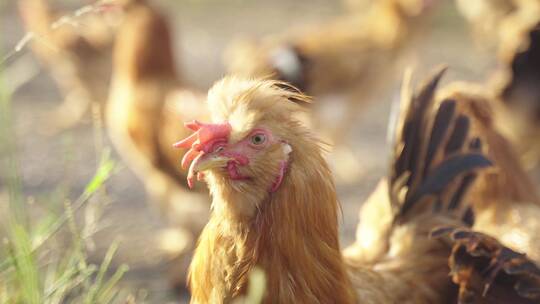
(204, 134)
(203, 140)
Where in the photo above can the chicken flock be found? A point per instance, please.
(456, 219)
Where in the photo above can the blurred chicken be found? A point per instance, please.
(146, 105)
(516, 88)
(353, 56)
(275, 206)
(506, 205)
(504, 199)
(77, 50)
(494, 20)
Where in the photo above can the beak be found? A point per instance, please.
(209, 161)
(203, 163)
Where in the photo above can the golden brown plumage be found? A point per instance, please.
(504, 199)
(435, 161)
(145, 109)
(506, 113)
(250, 227)
(291, 232)
(507, 204)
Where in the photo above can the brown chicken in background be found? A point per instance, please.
(353, 56)
(145, 110)
(76, 49)
(507, 204)
(275, 205)
(505, 201)
(517, 90)
(493, 20)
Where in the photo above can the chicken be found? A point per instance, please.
(513, 26)
(275, 206)
(77, 50)
(146, 104)
(507, 204)
(353, 56)
(515, 89)
(325, 58)
(250, 161)
(485, 16)
(506, 109)
(493, 20)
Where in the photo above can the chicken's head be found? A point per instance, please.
(245, 153)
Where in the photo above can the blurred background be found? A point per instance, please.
(74, 216)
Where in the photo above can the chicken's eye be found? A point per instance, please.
(258, 139)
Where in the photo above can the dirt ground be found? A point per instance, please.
(202, 29)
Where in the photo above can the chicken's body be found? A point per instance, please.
(234, 242)
(415, 198)
(506, 111)
(507, 201)
(275, 207)
(144, 111)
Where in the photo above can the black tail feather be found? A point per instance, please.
(437, 156)
(459, 135)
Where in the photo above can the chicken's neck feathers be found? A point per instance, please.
(293, 237)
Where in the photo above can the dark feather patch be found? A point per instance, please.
(524, 267)
(290, 65)
(437, 206)
(475, 144)
(528, 289)
(413, 127)
(523, 91)
(433, 156)
(444, 174)
(460, 192)
(487, 271)
(459, 135)
(468, 217)
(441, 231)
(438, 130)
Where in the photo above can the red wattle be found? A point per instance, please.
(279, 178)
(232, 169)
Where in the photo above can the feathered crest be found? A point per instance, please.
(245, 103)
